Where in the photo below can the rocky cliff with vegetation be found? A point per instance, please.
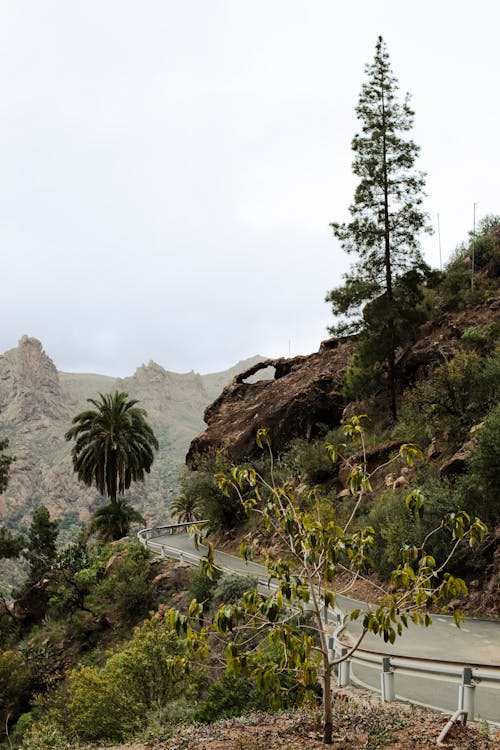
(37, 404)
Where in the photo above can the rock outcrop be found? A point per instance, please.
(303, 396)
(305, 392)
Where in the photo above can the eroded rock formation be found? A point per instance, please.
(304, 394)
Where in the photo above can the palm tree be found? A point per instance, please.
(186, 508)
(114, 445)
(113, 521)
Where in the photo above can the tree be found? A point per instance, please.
(186, 508)
(114, 445)
(386, 214)
(5, 462)
(10, 544)
(113, 521)
(263, 639)
(42, 536)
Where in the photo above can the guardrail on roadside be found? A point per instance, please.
(468, 677)
(144, 535)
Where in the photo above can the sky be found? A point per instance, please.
(169, 168)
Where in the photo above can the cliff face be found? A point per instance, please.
(37, 404)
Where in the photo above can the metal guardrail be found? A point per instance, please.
(468, 677)
(144, 535)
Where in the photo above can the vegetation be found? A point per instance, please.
(386, 221)
(5, 462)
(114, 446)
(313, 550)
(113, 521)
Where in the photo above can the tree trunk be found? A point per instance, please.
(327, 704)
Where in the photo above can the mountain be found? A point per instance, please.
(37, 404)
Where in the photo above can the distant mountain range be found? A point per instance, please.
(37, 404)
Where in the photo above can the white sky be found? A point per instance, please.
(169, 168)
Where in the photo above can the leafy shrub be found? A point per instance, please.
(43, 735)
(202, 587)
(112, 702)
(14, 684)
(453, 397)
(230, 696)
(200, 488)
(231, 588)
(126, 593)
(478, 489)
(310, 461)
(397, 526)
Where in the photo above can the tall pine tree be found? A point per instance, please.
(386, 214)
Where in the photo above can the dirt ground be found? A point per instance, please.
(358, 725)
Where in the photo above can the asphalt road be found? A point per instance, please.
(476, 643)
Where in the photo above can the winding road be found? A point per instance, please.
(475, 644)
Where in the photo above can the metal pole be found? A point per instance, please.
(325, 614)
(344, 670)
(466, 694)
(387, 681)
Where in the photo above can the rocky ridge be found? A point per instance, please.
(37, 404)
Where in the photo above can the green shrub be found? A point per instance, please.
(310, 461)
(112, 702)
(43, 735)
(396, 526)
(230, 588)
(99, 707)
(479, 487)
(126, 592)
(452, 398)
(200, 487)
(202, 587)
(230, 696)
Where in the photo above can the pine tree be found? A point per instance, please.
(386, 213)
(42, 537)
(5, 462)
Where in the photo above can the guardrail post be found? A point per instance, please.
(387, 681)
(466, 694)
(162, 551)
(331, 648)
(344, 678)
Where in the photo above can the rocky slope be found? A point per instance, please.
(305, 392)
(37, 404)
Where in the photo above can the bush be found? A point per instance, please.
(231, 588)
(479, 487)
(113, 702)
(224, 512)
(230, 696)
(126, 592)
(202, 587)
(310, 461)
(452, 398)
(396, 526)
(43, 735)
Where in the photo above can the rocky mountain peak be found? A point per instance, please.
(29, 384)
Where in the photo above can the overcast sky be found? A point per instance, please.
(169, 168)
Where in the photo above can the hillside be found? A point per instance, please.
(37, 404)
